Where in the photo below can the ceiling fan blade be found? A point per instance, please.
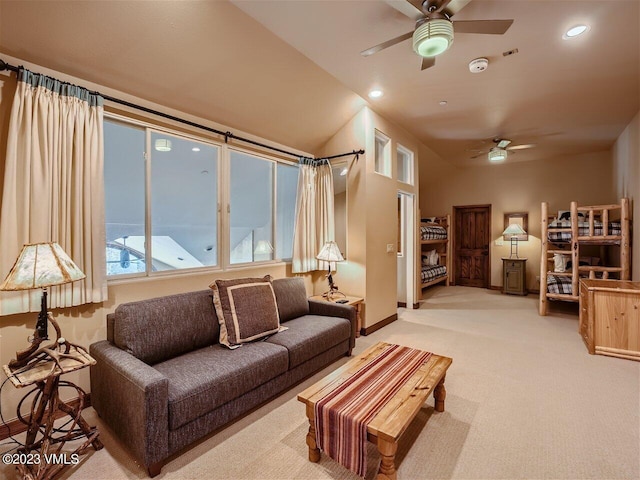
(493, 27)
(503, 143)
(406, 8)
(388, 43)
(455, 6)
(428, 62)
(522, 147)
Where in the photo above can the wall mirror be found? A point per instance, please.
(519, 218)
(340, 172)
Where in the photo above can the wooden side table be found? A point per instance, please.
(355, 302)
(45, 408)
(514, 276)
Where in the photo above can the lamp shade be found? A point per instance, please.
(514, 229)
(263, 247)
(41, 265)
(330, 253)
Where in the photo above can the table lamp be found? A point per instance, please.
(330, 253)
(40, 265)
(514, 230)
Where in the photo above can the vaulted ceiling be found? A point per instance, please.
(291, 71)
(565, 96)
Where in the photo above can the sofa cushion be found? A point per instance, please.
(311, 335)
(161, 328)
(202, 380)
(291, 296)
(246, 309)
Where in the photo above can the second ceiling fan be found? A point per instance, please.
(434, 29)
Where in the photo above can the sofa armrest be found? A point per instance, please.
(133, 398)
(330, 309)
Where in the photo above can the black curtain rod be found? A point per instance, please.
(226, 135)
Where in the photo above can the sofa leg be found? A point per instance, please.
(349, 352)
(154, 469)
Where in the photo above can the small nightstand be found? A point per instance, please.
(514, 276)
(353, 301)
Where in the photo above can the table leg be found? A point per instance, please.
(439, 394)
(359, 319)
(387, 451)
(314, 451)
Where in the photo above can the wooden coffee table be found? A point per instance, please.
(390, 423)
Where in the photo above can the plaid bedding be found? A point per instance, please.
(559, 284)
(432, 232)
(615, 228)
(431, 272)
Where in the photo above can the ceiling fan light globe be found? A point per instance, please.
(433, 37)
(497, 154)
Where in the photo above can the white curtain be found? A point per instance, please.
(314, 214)
(53, 187)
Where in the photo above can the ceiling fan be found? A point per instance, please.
(433, 33)
(500, 151)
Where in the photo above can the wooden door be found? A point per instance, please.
(471, 245)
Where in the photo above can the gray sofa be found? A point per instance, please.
(162, 380)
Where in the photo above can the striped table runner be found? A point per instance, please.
(341, 417)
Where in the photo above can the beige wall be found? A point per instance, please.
(626, 176)
(516, 187)
(370, 270)
(86, 324)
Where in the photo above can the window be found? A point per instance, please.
(382, 154)
(251, 203)
(163, 214)
(124, 176)
(405, 165)
(286, 193)
(184, 201)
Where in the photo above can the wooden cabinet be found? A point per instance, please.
(514, 276)
(610, 317)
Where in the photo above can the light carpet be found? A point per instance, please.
(524, 401)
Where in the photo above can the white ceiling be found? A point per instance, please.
(566, 96)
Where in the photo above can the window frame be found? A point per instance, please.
(411, 158)
(223, 226)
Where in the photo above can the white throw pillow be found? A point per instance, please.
(560, 262)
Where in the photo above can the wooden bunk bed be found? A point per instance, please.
(435, 239)
(562, 238)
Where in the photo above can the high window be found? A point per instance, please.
(405, 165)
(163, 202)
(382, 154)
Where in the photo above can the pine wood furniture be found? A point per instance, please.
(610, 317)
(355, 302)
(46, 407)
(386, 428)
(580, 236)
(514, 276)
(442, 247)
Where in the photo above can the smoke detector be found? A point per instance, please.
(478, 65)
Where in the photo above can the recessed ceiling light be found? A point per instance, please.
(375, 93)
(575, 31)
(443, 103)
(195, 149)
